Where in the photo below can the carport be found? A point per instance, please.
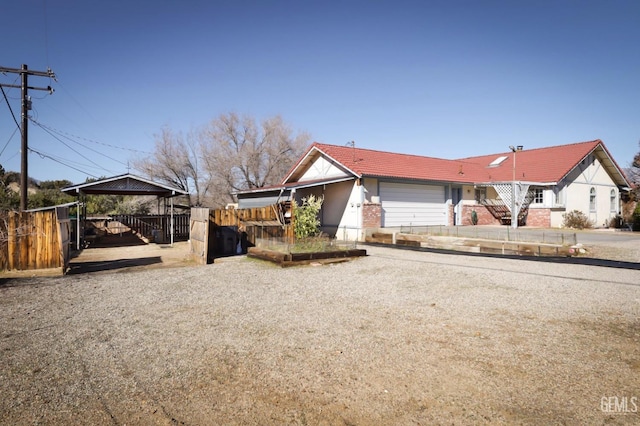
(127, 184)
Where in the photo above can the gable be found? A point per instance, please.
(322, 168)
(591, 171)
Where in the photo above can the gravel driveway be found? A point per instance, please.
(397, 337)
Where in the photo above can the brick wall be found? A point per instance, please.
(540, 218)
(371, 215)
(484, 216)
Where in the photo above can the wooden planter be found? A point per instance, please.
(293, 259)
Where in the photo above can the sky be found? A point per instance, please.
(447, 79)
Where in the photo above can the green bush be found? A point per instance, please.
(306, 222)
(577, 220)
(635, 218)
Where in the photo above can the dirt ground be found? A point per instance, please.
(139, 335)
(119, 253)
(128, 253)
(397, 337)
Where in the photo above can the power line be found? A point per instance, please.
(68, 135)
(81, 155)
(46, 34)
(15, 120)
(64, 135)
(10, 137)
(50, 157)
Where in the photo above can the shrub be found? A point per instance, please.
(615, 222)
(635, 218)
(306, 222)
(577, 220)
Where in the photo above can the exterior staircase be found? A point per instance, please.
(502, 212)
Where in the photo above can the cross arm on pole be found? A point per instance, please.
(47, 73)
(16, 86)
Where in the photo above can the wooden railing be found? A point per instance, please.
(156, 226)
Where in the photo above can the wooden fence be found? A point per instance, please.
(199, 234)
(35, 240)
(215, 233)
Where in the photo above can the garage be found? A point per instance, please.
(412, 204)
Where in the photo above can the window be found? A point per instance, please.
(559, 193)
(538, 196)
(614, 204)
(481, 194)
(592, 199)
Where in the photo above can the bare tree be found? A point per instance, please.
(239, 154)
(176, 162)
(231, 153)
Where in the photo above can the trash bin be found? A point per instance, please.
(157, 235)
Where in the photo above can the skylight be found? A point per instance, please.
(498, 161)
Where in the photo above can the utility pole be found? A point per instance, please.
(26, 106)
(515, 210)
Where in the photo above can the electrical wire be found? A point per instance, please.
(64, 135)
(15, 120)
(81, 155)
(69, 135)
(13, 84)
(46, 36)
(50, 157)
(10, 137)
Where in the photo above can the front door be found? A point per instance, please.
(456, 199)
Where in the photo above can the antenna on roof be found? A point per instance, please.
(353, 145)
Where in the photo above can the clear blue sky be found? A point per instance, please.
(446, 79)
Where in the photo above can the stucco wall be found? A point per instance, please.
(370, 188)
(590, 174)
(556, 217)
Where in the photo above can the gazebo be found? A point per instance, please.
(127, 184)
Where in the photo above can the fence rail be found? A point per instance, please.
(156, 226)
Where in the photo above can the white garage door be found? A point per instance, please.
(411, 204)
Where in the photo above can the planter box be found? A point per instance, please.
(292, 259)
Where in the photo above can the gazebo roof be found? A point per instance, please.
(126, 184)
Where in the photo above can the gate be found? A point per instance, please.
(224, 232)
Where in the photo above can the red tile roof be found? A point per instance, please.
(367, 162)
(549, 164)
